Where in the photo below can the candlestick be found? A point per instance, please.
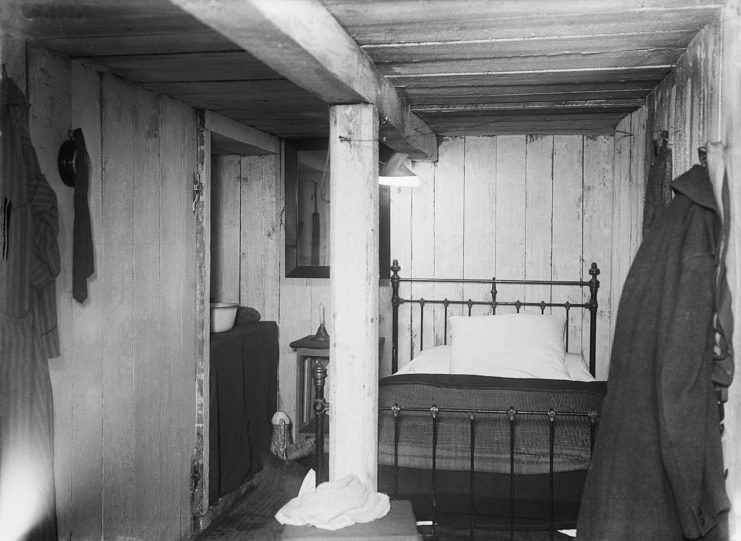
(321, 332)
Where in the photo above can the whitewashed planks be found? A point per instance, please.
(245, 224)
(597, 240)
(522, 206)
(687, 103)
(226, 211)
(124, 384)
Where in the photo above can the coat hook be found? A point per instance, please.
(702, 154)
(66, 160)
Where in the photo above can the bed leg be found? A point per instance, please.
(395, 409)
(434, 411)
(511, 414)
(552, 421)
(319, 375)
(593, 287)
(395, 302)
(472, 422)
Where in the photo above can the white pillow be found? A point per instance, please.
(435, 360)
(577, 367)
(508, 345)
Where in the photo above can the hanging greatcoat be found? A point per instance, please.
(29, 264)
(657, 469)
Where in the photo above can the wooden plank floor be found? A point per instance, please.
(253, 516)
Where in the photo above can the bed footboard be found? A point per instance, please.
(469, 421)
(513, 475)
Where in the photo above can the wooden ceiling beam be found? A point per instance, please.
(443, 100)
(532, 106)
(387, 53)
(470, 94)
(545, 61)
(620, 74)
(255, 141)
(304, 43)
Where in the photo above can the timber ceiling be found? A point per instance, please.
(465, 67)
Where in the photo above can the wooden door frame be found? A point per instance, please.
(213, 129)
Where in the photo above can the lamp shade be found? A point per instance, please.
(395, 173)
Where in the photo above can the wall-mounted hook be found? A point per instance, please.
(197, 191)
(66, 161)
(702, 154)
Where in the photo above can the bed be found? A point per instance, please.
(494, 428)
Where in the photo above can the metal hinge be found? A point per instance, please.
(197, 191)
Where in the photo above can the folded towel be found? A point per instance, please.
(333, 505)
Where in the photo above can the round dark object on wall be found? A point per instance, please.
(66, 162)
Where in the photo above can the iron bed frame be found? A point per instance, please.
(321, 406)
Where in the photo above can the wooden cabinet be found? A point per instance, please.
(307, 349)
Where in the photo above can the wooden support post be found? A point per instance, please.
(353, 368)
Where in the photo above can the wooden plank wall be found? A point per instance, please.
(246, 239)
(629, 187)
(490, 206)
(513, 206)
(124, 384)
(226, 211)
(687, 102)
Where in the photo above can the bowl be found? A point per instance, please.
(222, 315)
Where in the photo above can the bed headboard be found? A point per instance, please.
(493, 303)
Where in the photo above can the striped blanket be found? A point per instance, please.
(491, 433)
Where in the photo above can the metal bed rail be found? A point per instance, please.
(550, 416)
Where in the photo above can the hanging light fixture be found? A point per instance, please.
(395, 173)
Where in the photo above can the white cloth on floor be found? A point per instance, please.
(333, 505)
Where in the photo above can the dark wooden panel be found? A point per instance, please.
(187, 67)
(546, 61)
(527, 46)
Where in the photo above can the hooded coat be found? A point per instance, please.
(657, 468)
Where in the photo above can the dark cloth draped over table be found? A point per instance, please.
(657, 470)
(243, 398)
(28, 329)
